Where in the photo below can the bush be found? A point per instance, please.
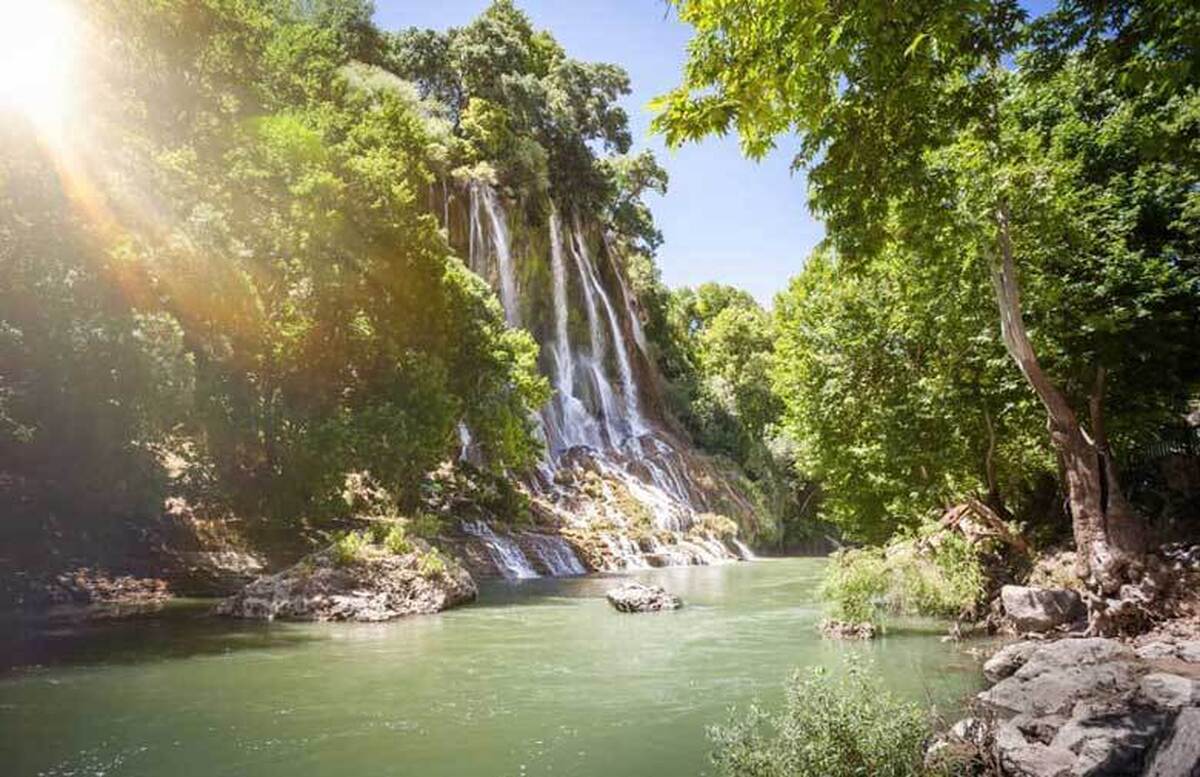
(855, 584)
(349, 548)
(432, 565)
(425, 525)
(848, 726)
(937, 574)
(396, 542)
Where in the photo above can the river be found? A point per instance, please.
(537, 678)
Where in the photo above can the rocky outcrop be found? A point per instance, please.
(635, 597)
(1042, 609)
(376, 586)
(1086, 707)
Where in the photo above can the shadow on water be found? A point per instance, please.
(181, 629)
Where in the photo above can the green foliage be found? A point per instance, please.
(921, 151)
(395, 541)
(831, 726)
(252, 275)
(350, 548)
(936, 573)
(425, 525)
(432, 565)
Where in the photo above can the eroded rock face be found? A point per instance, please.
(376, 587)
(1042, 609)
(635, 597)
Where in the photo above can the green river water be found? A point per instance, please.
(537, 678)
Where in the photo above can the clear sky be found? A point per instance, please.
(725, 218)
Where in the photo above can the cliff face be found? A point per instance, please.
(617, 469)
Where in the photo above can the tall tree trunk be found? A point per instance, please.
(1108, 533)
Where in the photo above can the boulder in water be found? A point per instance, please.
(636, 597)
(378, 586)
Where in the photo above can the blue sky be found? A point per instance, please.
(725, 218)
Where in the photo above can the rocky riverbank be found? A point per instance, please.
(373, 584)
(1064, 703)
(1093, 707)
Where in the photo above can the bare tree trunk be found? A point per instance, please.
(1108, 536)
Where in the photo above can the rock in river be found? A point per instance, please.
(635, 597)
(377, 586)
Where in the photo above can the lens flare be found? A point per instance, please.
(38, 45)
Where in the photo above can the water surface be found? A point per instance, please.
(538, 678)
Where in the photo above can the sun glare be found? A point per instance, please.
(38, 41)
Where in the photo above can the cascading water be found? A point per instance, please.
(485, 196)
(504, 551)
(632, 416)
(556, 555)
(606, 463)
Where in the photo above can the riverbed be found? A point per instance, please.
(539, 677)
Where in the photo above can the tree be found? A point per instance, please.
(904, 115)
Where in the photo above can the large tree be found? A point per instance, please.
(908, 132)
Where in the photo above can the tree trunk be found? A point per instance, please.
(1108, 533)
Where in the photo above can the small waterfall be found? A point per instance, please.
(505, 552)
(744, 550)
(635, 322)
(576, 425)
(591, 283)
(464, 441)
(595, 364)
(625, 551)
(557, 555)
(485, 196)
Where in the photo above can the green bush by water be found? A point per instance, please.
(939, 575)
(846, 725)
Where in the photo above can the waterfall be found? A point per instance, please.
(576, 424)
(484, 196)
(464, 441)
(557, 555)
(744, 550)
(635, 323)
(625, 551)
(595, 364)
(592, 284)
(504, 551)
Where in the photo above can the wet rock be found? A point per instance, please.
(1178, 755)
(1042, 609)
(835, 629)
(636, 597)
(377, 587)
(1008, 660)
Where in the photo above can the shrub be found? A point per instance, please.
(938, 574)
(349, 548)
(425, 525)
(396, 542)
(846, 726)
(855, 584)
(432, 565)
